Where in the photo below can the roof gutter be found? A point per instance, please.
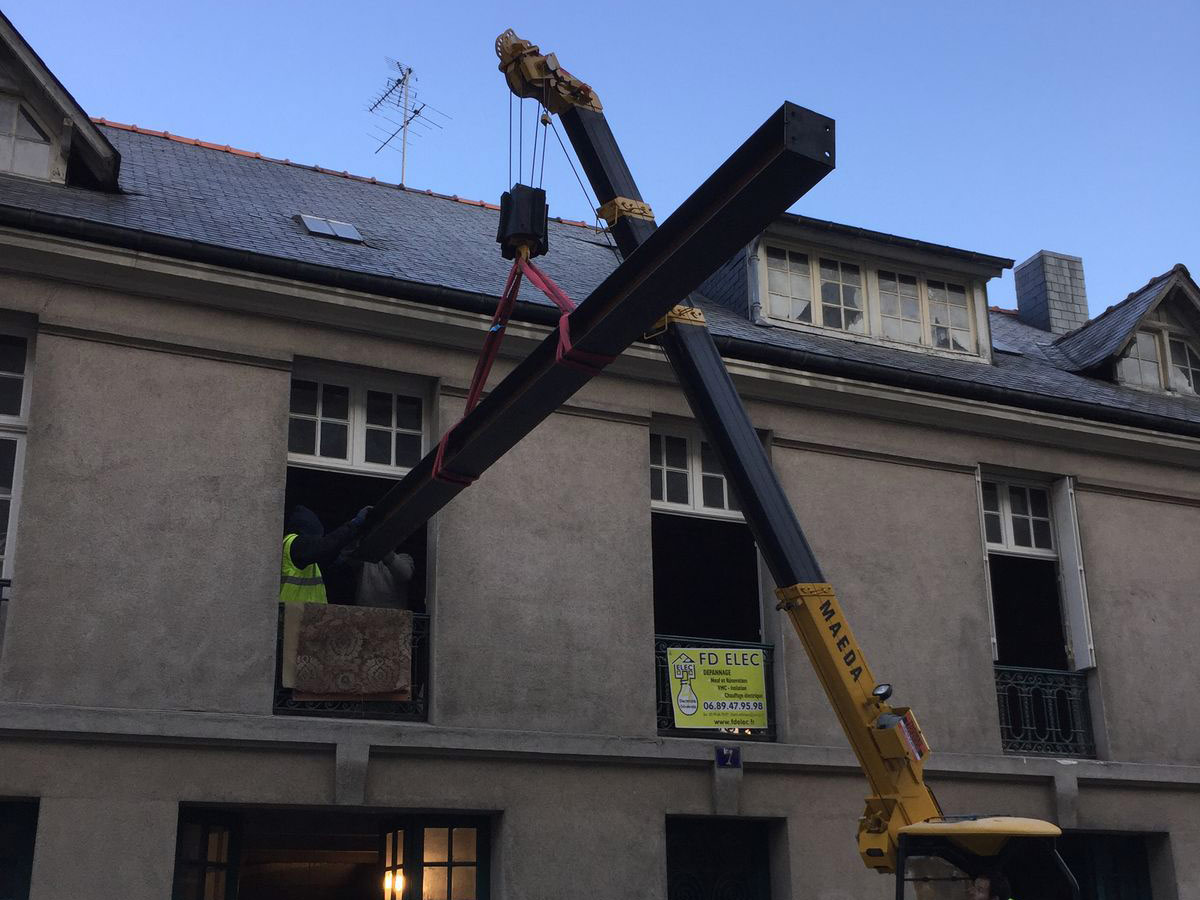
(276, 266)
(740, 348)
(485, 304)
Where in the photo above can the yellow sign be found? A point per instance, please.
(717, 687)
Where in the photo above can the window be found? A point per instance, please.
(1140, 364)
(15, 362)
(705, 561)
(685, 474)
(789, 285)
(1017, 518)
(820, 290)
(24, 145)
(342, 231)
(1038, 592)
(205, 865)
(900, 307)
(1041, 631)
(842, 297)
(345, 422)
(1163, 355)
(264, 852)
(949, 316)
(1185, 366)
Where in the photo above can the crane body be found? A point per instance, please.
(646, 294)
(902, 817)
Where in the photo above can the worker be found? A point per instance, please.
(383, 583)
(992, 886)
(306, 547)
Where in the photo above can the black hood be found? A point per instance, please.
(304, 521)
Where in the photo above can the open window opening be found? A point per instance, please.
(18, 829)
(1041, 636)
(705, 578)
(290, 854)
(1029, 629)
(335, 497)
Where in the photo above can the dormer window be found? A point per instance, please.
(851, 296)
(25, 148)
(1162, 356)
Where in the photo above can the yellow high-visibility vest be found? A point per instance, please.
(299, 585)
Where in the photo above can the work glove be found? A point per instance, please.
(360, 517)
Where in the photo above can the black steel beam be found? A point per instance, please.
(702, 374)
(716, 405)
(777, 165)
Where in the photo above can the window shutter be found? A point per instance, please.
(987, 572)
(1076, 616)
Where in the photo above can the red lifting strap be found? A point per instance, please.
(567, 354)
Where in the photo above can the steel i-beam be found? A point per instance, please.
(778, 164)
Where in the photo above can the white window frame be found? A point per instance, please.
(52, 144)
(1008, 544)
(359, 383)
(694, 438)
(1163, 333)
(1068, 553)
(869, 269)
(16, 428)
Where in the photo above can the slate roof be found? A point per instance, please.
(1105, 336)
(205, 195)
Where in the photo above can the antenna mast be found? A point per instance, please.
(399, 100)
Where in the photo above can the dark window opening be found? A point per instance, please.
(289, 854)
(335, 497)
(1029, 627)
(1108, 866)
(18, 828)
(712, 859)
(705, 578)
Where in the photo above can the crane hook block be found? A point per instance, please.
(524, 218)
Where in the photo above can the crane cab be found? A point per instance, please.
(944, 859)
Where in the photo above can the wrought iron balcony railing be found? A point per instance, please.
(414, 710)
(666, 713)
(1044, 712)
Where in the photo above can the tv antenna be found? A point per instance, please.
(400, 105)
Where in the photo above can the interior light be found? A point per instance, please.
(387, 886)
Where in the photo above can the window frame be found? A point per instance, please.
(51, 142)
(16, 428)
(1164, 333)
(1008, 545)
(1066, 537)
(869, 268)
(412, 850)
(695, 439)
(358, 383)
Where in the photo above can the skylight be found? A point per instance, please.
(343, 231)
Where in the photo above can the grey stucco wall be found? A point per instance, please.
(109, 813)
(543, 614)
(1142, 590)
(149, 531)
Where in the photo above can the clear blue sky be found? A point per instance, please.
(1002, 127)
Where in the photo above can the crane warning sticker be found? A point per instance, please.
(717, 687)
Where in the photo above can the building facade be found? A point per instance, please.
(1006, 501)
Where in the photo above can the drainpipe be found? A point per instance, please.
(752, 282)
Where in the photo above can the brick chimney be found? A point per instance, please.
(1050, 292)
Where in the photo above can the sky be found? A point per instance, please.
(1002, 127)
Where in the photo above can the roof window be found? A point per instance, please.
(343, 231)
